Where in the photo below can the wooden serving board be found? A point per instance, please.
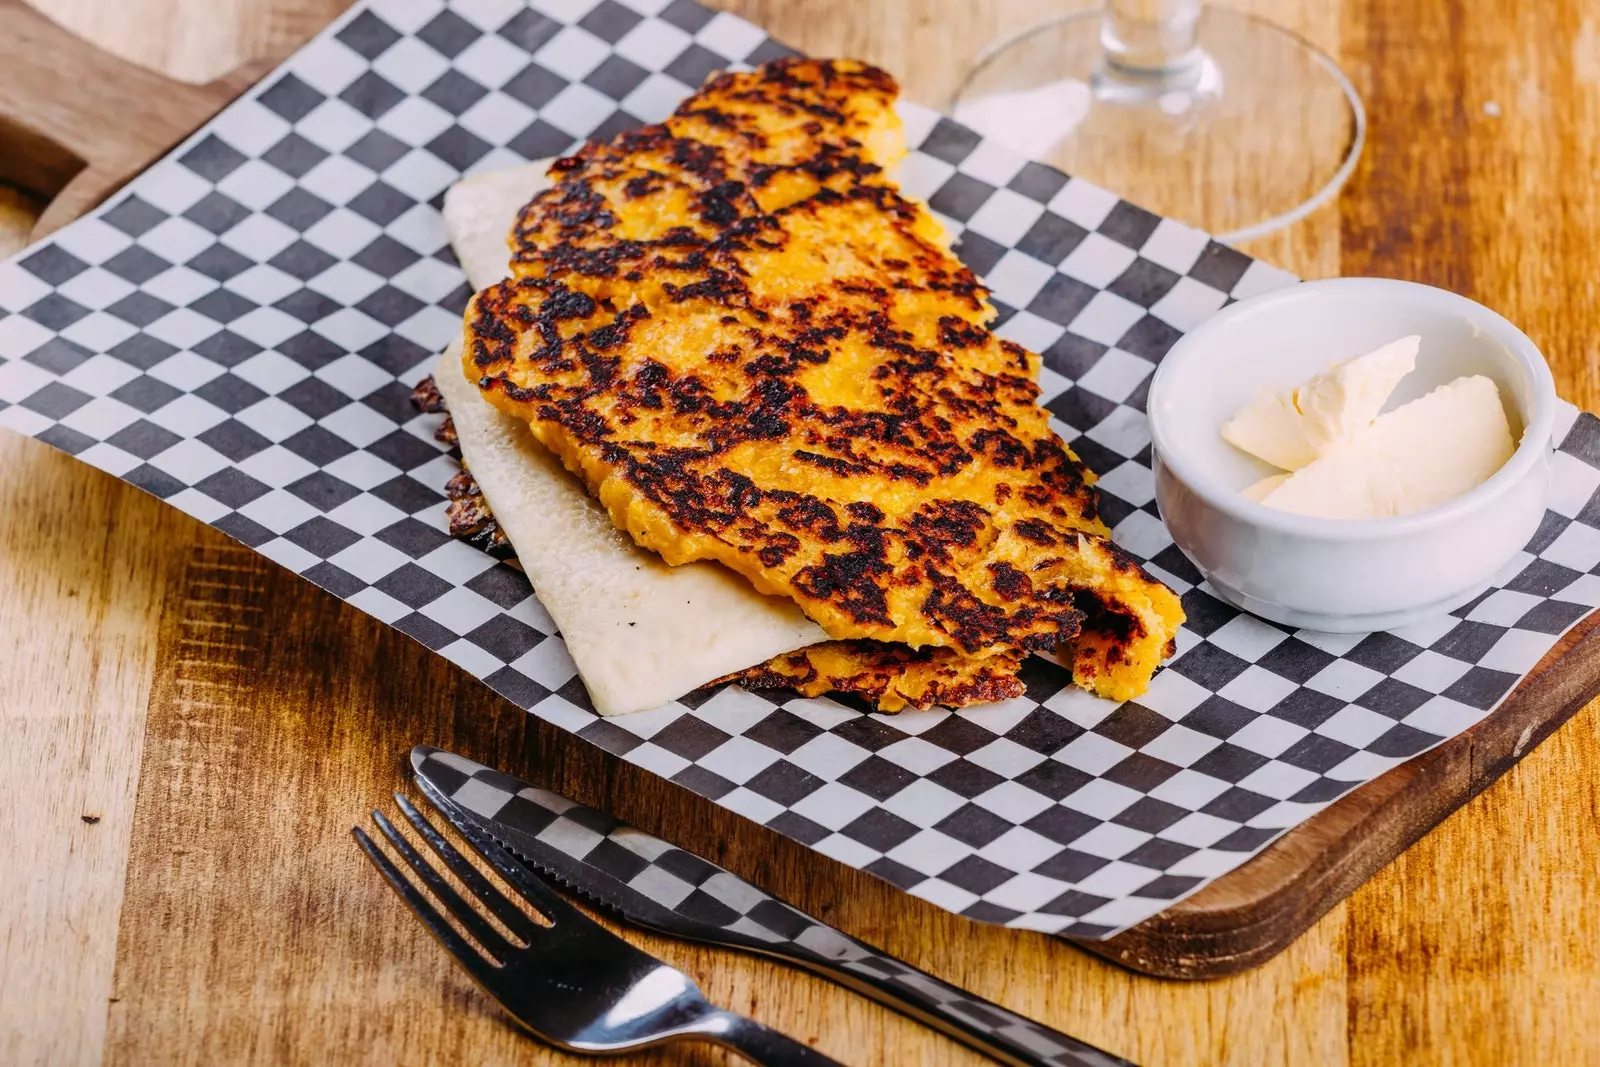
(76, 123)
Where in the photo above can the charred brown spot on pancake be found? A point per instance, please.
(718, 286)
(999, 448)
(959, 333)
(642, 185)
(564, 303)
(864, 512)
(810, 515)
(1018, 354)
(841, 467)
(852, 582)
(942, 525)
(1035, 532)
(777, 547)
(1010, 583)
(1123, 560)
(971, 622)
(722, 204)
(1115, 630)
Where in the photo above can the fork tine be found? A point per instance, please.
(486, 891)
(470, 958)
(493, 942)
(550, 903)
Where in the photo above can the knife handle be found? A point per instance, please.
(980, 1024)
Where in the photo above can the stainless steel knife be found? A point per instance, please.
(653, 884)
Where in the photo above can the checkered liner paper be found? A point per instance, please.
(237, 333)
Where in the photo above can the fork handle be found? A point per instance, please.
(760, 1044)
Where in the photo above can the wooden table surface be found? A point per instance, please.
(189, 731)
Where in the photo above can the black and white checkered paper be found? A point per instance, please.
(238, 330)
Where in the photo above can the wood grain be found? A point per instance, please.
(78, 122)
(251, 937)
(194, 41)
(18, 211)
(82, 583)
(1479, 944)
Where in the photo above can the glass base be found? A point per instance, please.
(1248, 135)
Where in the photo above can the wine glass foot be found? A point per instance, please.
(1251, 131)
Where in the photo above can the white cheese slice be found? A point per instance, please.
(1260, 490)
(1413, 458)
(1291, 428)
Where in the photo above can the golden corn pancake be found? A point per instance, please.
(889, 677)
(754, 350)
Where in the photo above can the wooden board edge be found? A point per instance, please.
(1251, 914)
(77, 123)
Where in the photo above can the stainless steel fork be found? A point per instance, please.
(573, 983)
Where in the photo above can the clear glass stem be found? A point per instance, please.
(1148, 39)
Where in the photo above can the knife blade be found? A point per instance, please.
(653, 884)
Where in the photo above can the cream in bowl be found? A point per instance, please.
(1353, 454)
(1342, 456)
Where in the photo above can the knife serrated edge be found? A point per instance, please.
(633, 906)
(598, 887)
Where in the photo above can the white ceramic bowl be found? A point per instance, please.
(1341, 575)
